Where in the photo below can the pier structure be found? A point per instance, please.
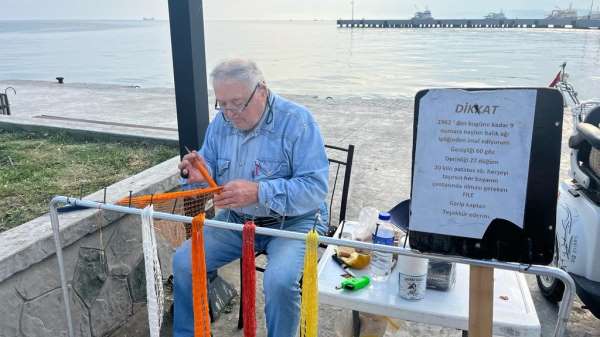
(472, 23)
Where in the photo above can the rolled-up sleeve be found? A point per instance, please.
(306, 189)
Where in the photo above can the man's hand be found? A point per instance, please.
(188, 168)
(236, 194)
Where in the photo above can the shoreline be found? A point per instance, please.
(171, 90)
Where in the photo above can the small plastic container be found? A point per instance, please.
(412, 277)
(441, 275)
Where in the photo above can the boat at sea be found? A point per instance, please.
(568, 13)
(495, 16)
(423, 15)
(559, 18)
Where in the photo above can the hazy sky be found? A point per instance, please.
(278, 9)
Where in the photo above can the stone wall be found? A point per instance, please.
(103, 262)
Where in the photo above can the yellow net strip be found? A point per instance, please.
(309, 314)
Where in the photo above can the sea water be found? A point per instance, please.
(306, 57)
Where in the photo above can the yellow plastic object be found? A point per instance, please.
(309, 308)
(357, 260)
(345, 251)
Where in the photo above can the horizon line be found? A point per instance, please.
(166, 19)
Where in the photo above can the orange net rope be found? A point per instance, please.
(196, 203)
(180, 202)
(188, 202)
(199, 282)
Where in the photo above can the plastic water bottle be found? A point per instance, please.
(381, 263)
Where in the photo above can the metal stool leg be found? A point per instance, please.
(355, 324)
(241, 311)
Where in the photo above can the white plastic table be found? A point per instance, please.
(514, 312)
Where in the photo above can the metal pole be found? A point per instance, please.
(61, 266)
(4, 105)
(563, 313)
(189, 71)
(346, 186)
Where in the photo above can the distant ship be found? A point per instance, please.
(148, 19)
(495, 16)
(424, 15)
(569, 13)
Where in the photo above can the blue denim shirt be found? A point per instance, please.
(284, 153)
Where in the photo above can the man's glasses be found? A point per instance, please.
(235, 108)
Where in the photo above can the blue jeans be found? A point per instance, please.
(285, 262)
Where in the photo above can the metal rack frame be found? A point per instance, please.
(563, 313)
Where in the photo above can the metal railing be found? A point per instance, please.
(4, 104)
(563, 312)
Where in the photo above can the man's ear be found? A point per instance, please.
(265, 90)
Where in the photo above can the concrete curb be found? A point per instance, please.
(86, 131)
(32, 242)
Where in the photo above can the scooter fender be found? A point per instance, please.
(578, 232)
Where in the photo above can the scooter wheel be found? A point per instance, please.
(551, 288)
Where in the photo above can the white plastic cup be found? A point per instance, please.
(367, 219)
(412, 277)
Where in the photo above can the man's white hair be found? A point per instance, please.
(242, 70)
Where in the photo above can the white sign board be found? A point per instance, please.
(471, 160)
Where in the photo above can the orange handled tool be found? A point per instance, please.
(203, 171)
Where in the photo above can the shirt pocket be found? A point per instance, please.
(271, 169)
(222, 167)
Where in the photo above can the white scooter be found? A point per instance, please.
(578, 212)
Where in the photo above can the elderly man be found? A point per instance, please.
(268, 154)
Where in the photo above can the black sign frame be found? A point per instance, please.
(504, 241)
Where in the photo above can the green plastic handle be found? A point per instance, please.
(356, 283)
